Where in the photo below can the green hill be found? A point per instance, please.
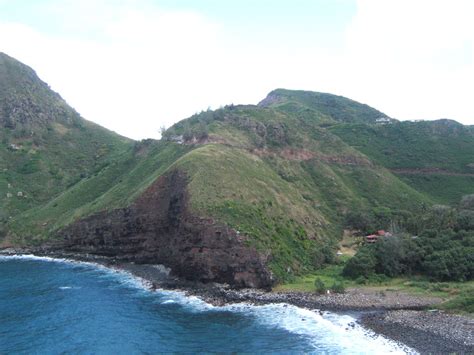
(283, 180)
(434, 157)
(233, 195)
(285, 188)
(45, 146)
(325, 108)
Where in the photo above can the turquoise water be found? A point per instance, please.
(50, 306)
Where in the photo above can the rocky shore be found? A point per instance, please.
(431, 332)
(399, 316)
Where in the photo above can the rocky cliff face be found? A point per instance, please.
(159, 228)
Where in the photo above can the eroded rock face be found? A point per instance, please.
(158, 228)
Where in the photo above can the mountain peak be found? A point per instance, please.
(328, 107)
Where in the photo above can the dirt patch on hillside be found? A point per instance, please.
(429, 171)
(304, 154)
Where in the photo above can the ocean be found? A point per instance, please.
(53, 306)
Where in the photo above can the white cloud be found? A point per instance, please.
(149, 71)
(133, 67)
(414, 59)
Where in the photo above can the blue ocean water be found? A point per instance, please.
(49, 306)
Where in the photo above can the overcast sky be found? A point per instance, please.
(135, 65)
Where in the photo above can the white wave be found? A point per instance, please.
(30, 257)
(122, 276)
(331, 330)
(192, 304)
(338, 333)
(168, 302)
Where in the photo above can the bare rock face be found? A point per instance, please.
(159, 229)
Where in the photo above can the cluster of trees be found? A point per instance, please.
(197, 126)
(367, 221)
(442, 248)
(187, 131)
(325, 254)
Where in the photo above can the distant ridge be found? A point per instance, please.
(332, 107)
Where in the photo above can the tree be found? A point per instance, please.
(396, 255)
(319, 285)
(338, 287)
(361, 220)
(187, 133)
(162, 131)
(467, 202)
(361, 264)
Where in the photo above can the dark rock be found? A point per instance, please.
(158, 228)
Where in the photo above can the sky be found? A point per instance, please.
(134, 66)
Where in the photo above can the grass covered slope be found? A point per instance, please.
(323, 107)
(434, 157)
(116, 185)
(280, 173)
(45, 146)
(282, 180)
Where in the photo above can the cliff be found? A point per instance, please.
(158, 228)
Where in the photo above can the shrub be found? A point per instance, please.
(360, 220)
(467, 202)
(319, 285)
(323, 255)
(361, 280)
(361, 264)
(378, 278)
(439, 286)
(338, 287)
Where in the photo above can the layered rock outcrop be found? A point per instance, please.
(158, 228)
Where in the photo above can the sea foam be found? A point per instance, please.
(338, 333)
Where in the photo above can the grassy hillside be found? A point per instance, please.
(435, 157)
(284, 173)
(282, 180)
(115, 185)
(443, 144)
(325, 108)
(45, 146)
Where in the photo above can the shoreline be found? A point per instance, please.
(400, 317)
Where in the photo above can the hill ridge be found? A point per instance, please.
(271, 185)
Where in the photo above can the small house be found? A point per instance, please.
(371, 238)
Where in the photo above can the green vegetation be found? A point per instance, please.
(288, 174)
(327, 275)
(434, 157)
(45, 146)
(325, 108)
(319, 286)
(438, 261)
(442, 144)
(248, 177)
(457, 296)
(442, 249)
(443, 189)
(116, 185)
